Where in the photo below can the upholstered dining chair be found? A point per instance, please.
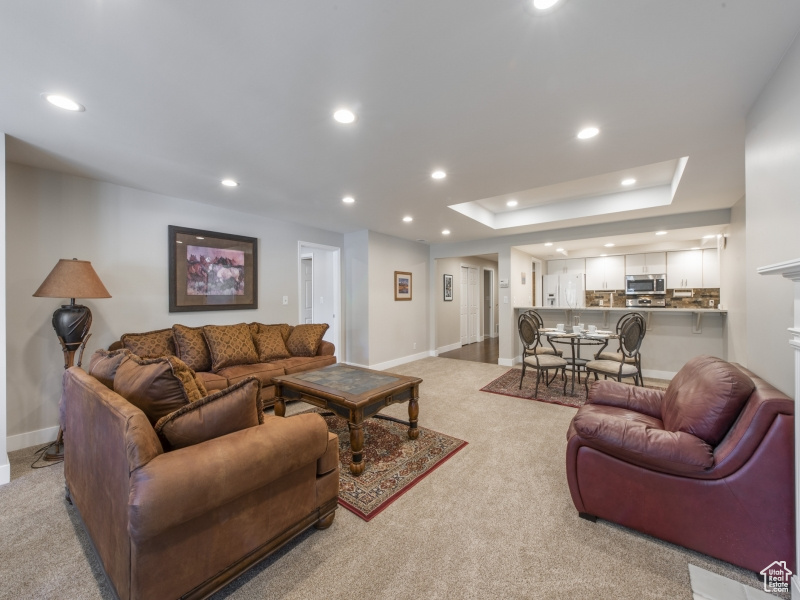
(530, 336)
(617, 354)
(631, 334)
(541, 348)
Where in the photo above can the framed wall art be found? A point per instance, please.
(209, 270)
(448, 288)
(402, 285)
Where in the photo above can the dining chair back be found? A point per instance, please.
(631, 333)
(530, 335)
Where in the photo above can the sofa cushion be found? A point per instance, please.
(270, 343)
(103, 365)
(264, 372)
(233, 409)
(213, 382)
(297, 364)
(230, 345)
(705, 398)
(157, 386)
(304, 339)
(191, 347)
(284, 328)
(150, 344)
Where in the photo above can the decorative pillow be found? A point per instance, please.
(191, 347)
(230, 345)
(270, 344)
(151, 344)
(157, 386)
(233, 409)
(705, 398)
(304, 339)
(103, 365)
(256, 328)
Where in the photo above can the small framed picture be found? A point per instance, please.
(523, 278)
(448, 288)
(402, 285)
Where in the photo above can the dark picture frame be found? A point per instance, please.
(209, 270)
(402, 285)
(448, 288)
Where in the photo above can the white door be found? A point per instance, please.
(487, 303)
(473, 304)
(463, 300)
(307, 287)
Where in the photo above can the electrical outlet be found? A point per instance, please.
(711, 303)
(415, 346)
(601, 302)
(286, 299)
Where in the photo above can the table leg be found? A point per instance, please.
(574, 364)
(357, 445)
(413, 414)
(280, 407)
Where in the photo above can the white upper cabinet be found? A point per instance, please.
(651, 263)
(566, 266)
(685, 269)
(710, 268)
(605, 273)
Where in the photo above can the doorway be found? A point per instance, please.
(468, 300)
(488, 303)
(319, 289)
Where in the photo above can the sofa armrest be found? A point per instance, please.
(330, 460)
(326, 348)
(640, 443)
(614, 393)
(178, 486)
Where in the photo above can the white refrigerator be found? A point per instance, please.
(564, 291)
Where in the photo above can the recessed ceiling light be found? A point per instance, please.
(559, 249)
(548, 244)
(708, 237)
(609, 245)
(661, 233)
(695, 248)
(229, 183)
(199, 238)
(603, 255)
(178, 242)
(589, 132)
(544, 4)
(439, 174)
(348, 200)
(445, 232)
(344, 116)
(512, 203)
(629, 181)
(408, 219)
(64, 102)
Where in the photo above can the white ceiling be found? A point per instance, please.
(183, 93)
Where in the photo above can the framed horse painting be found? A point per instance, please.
(209, 270)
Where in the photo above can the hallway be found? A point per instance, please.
(487, 351)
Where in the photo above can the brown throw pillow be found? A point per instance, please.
(157, 386)
(270, 344)
(103, 365)
(151, 344)
(191, 347)
(230, 345)
(304, 339)
(233, 409)
(256, 328)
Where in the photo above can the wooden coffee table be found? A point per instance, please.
(353, 393)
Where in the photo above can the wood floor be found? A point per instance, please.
(487, 351)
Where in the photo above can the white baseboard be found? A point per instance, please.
(5, 470)
(31, 438)
(448, 348)
(507, 362)
(668, 375)
(401, 361)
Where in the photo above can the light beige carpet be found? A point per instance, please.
(494, 521)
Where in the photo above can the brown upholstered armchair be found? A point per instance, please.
(707, 464)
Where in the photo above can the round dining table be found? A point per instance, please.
(576, 341)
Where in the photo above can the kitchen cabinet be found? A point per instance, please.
(651, 263)
(566, 266)
(605, 273)
(685, 269)
(710, 268)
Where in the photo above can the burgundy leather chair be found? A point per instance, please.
(706, 464)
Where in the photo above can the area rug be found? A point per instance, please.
(508, 385)
(394, 463)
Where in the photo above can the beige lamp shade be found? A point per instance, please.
(72, 279)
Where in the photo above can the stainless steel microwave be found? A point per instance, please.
(645, 284)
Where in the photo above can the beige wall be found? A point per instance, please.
(123, 232)
(772, 165)
(733, 285)
(5, 467)
(448, 314)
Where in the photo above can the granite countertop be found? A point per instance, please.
(699, 309)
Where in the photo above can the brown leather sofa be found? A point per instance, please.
(183, 523)
(167, 342)
(707, 464)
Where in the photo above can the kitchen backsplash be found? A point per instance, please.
(701, 298)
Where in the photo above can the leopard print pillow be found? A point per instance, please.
(191, 347)
(304, 339)
(150, 344)
(230, 345)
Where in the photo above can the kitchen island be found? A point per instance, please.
(674, 335)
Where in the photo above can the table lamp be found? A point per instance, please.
(71, 279)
